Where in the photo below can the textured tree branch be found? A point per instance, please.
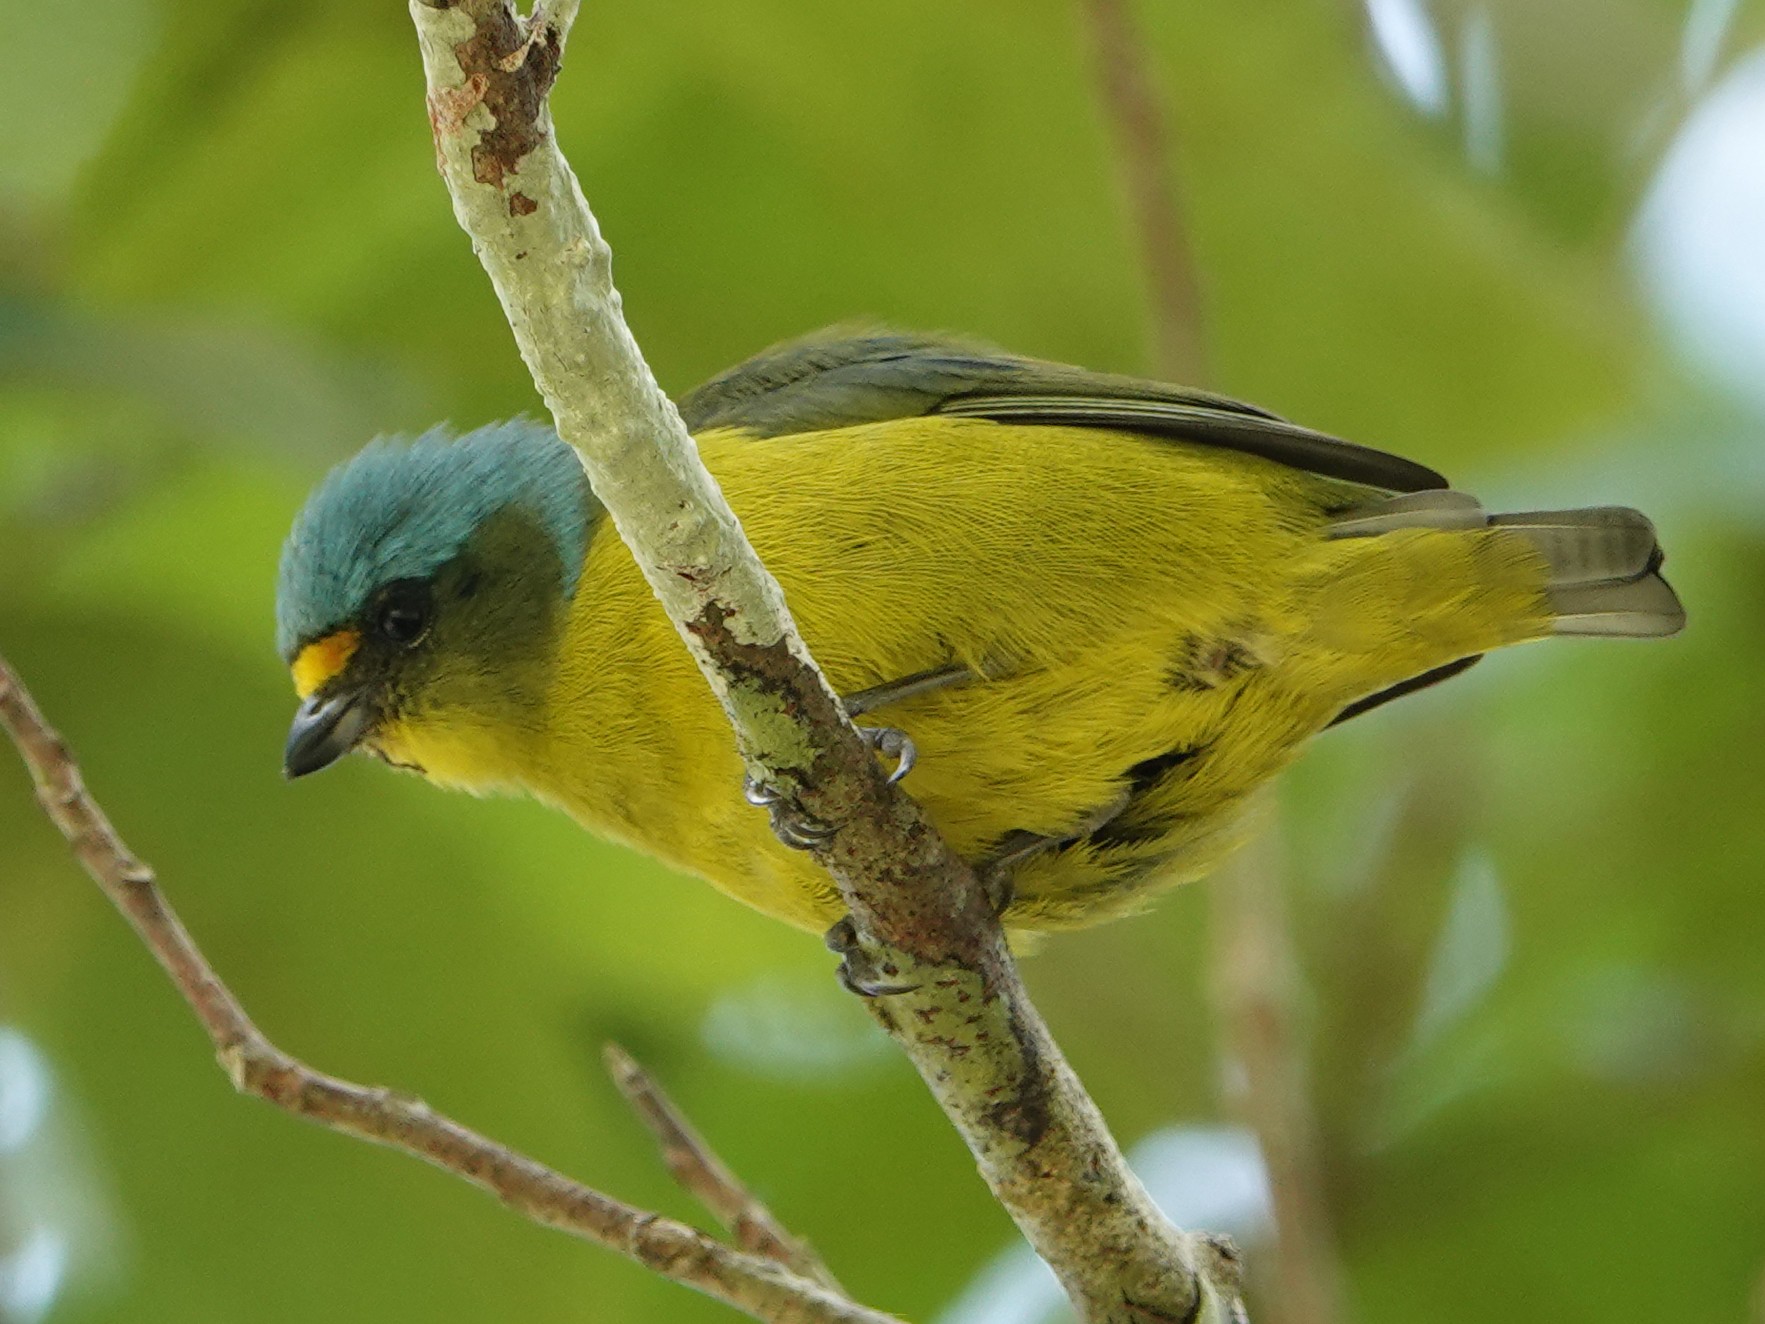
(921, 918)
(707, 1178)
(755, 1284)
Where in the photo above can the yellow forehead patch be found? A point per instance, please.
(322, 659)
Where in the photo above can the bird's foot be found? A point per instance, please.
(858, 972)
(801, 830)
(791, 823)
(894, 743)
(997, 871)
(999, 886)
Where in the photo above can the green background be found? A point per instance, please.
(1527, 904)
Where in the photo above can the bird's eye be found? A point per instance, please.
(403, 613)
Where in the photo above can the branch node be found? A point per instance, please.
(235, 1060)
(560, 15)
(1221, 1260)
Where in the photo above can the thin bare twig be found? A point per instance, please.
(1256, 985)
(1142, 141)
(759, 1286)
(707, 1178)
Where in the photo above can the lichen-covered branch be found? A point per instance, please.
(755, 1284)
(920, 916)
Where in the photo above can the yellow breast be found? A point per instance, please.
(1148, 619)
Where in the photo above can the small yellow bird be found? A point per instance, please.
(1103, 610)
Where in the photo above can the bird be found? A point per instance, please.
(1101, 612)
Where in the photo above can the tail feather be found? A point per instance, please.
(1604, 561)
(1594, 546)
(1642, 608)
(1441, 508)
(1604, 571)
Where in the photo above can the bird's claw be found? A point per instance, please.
(896, 744)
(1000, 888)
(858, 972)
(791, 824)
(800, 830)
(759, 794)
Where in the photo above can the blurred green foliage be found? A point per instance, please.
(1529, 903)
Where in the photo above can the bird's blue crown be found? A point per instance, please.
(401, 510)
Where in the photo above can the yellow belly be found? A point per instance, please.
(1154, 623)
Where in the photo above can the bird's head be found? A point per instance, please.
(423, 587)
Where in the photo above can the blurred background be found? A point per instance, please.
(1494, 990)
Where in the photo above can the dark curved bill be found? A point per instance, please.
(323, 732)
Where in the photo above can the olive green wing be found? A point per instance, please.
(842, 378)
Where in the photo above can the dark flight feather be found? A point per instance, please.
(1405, 687)
(841, 379)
